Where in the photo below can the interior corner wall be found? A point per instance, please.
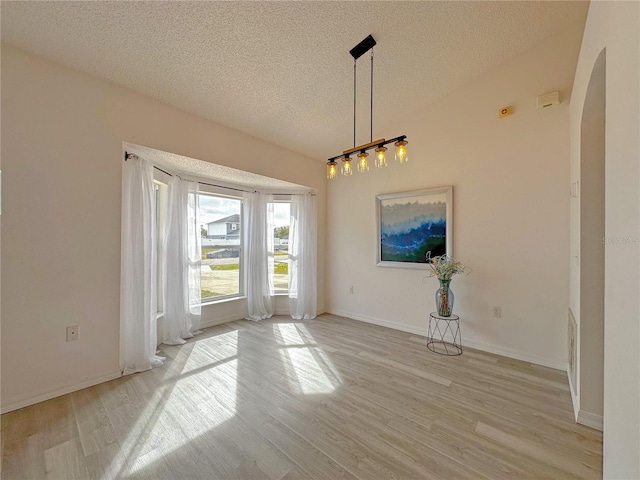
(615, 27)
(510, 180)
(62, 139)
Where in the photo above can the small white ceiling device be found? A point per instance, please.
(547, 100)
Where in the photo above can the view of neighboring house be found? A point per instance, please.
(226, 228)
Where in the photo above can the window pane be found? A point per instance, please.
(220, 273)
(220, 222)
(281, 247)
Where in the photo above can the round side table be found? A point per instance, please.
(444, 335)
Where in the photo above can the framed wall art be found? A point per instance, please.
(412, 225)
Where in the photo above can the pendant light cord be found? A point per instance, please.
(371, 112)
(354, 103)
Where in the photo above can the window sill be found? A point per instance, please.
(222, 300)
(159, 315)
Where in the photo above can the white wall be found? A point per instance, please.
(511, 201)
(62, 137)
(615, 26)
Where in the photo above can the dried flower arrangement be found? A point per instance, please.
(444, 267)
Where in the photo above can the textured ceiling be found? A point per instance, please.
(281, 71)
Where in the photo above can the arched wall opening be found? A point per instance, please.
(592, 242)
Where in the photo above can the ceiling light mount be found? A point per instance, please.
(380, 159)
(363, 47)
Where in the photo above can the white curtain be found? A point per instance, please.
(182, 263)
(138, 282)
(258, 242)
(303, 303)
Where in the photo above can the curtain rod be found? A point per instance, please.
(128, 155)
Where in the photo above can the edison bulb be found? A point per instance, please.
(363, 164)
(381, 157)
(346, 166)
(401, 151)
(332, 169)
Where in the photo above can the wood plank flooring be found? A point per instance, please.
(329, 398)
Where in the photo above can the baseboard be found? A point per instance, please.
(525, 357)
(220, 320)
(379, 321)
(286, 312)
(574, 396)
(505, 352)
(42, 397)
(583, 418)
(590, 420)
(234, 317)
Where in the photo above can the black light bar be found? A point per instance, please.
(367, 146)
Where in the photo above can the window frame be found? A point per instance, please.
(205, 190)
(282, 198)
(161, 185)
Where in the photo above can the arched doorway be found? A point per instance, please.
(592, 240)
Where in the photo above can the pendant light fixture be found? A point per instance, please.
(401, 151)
(400, 142)
(346, 166)
(381, 157)
(332, 169)
(363, 164)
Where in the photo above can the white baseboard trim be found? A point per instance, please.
(378, 321)
(505, 352)
(220, 320)
(525, 357)
(574, 397)
(590, 420)
(285, 312)
(44, 396)
(233, 317)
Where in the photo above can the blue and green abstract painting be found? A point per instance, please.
(410, 227)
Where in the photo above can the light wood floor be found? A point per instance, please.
(325, 399)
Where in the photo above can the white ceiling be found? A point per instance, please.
(281, 71)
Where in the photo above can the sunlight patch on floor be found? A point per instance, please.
(188, 410)
(210, 350)
(289, 334)
(309, 370)
(184, 408)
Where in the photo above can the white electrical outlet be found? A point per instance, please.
(497, 312)
(351, 289)
(72, 333)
